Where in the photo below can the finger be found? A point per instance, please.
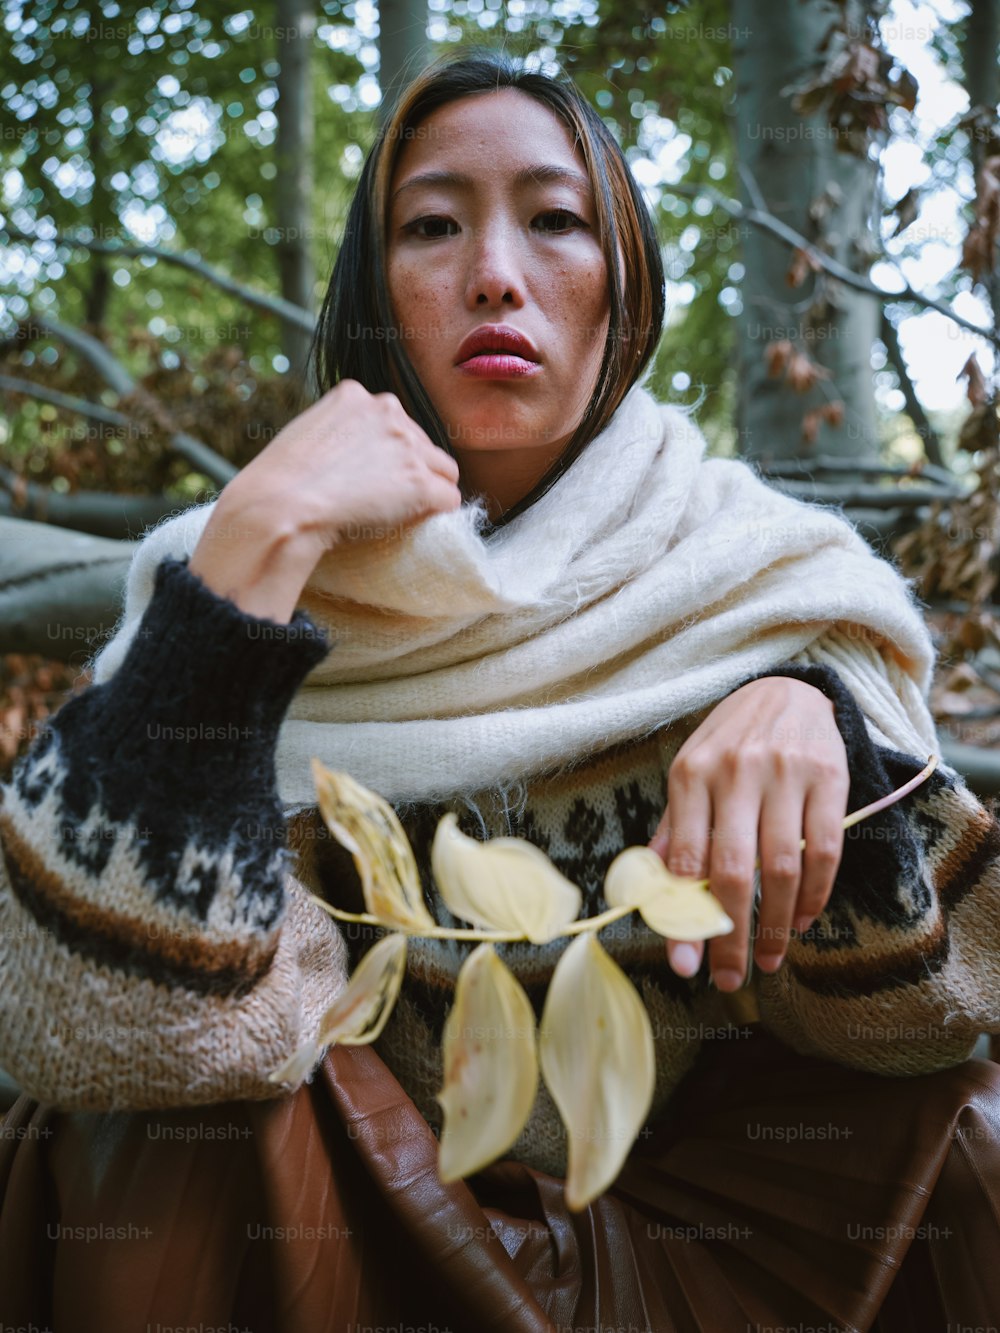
(684, 956)
(781, 821)
(682, 839)
(687, 821)
(824, 834)
(731, 880)
(450, 468)
(439, 497)
(443, 462)
(687, 853)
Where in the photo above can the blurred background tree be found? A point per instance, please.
(174, 182)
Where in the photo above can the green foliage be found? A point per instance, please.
(155, 123)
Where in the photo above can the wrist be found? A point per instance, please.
(256, 554)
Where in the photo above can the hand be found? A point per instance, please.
(767, 763)
(353, 466)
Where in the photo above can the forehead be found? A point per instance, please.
(488, 133)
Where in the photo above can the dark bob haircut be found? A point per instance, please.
(350, 340)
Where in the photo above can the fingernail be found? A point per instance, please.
(685, 960)
(803, 923)
(659, 844)
(727, 979)
(770, 962)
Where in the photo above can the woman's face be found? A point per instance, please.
(509, 238)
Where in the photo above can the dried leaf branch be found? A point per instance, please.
(595, 1046)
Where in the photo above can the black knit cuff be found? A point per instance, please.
(202, 681)
(199, 699)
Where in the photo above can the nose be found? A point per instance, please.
(495, 271)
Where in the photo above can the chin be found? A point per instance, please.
(490, 431)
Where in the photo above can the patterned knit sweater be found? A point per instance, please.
(160, 948)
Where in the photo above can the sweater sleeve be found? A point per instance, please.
(157, 949)
(900, 974)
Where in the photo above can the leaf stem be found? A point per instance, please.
(595, 923)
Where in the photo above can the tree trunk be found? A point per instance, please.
(794, 159)
(102, 214)
(981, 57)
(294, 181)
(60, 592)
(403, 47)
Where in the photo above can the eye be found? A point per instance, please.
(411, 228)
(568, 219)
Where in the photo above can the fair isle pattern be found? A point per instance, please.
(85, 1036)
(159, 947)
(156, 951)
(582, 816)
(864, 987)
(208, 918)
(901, 976)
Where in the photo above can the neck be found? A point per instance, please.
(503, 478)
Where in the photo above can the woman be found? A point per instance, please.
(487, 572)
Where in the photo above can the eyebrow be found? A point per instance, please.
(538, 175)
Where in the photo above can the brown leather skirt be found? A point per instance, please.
(782, 1194)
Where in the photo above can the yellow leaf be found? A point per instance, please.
(504, 884)
(596, 1051)
(490, 1065)
(679, 908)
(361, 1010)
(370, 830)
(298, 1065)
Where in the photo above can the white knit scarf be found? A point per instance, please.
(643, 587)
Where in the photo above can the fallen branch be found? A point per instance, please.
(869, 497)
(94, 411)
(272, 305)
(60, 591)
(100, 513)
(111, 370)
(826, 463)
(980, 768)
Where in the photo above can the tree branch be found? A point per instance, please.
(272, 305)
(769, 223)
(785, 467)
(95, 411)
(927, 433)
(101, 513)
(111, 370)
(90, 349)
(868, 497)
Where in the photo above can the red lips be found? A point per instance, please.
(495, 338)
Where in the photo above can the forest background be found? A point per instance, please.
(824, 176)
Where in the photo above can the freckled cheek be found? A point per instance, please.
(583, 305)
(418, 305)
